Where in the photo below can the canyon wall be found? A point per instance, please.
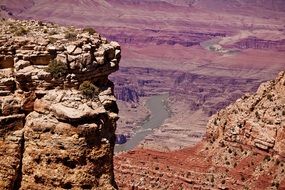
(58, 112)
(254, 120)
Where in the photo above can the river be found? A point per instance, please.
(159, 112)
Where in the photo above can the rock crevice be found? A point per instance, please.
(18, 180)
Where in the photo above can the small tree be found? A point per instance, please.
(21, 31)
(70, 35)
(89, 30)
(89, 89)
(57, 69)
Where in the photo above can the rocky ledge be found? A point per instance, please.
(58, 112)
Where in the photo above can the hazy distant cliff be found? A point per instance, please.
(58, 112)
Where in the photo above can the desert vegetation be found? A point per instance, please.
(88, 89)
(89, 30)
(57, 69)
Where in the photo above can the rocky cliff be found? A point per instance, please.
(243, 149)
(58, 112)
(254, 120)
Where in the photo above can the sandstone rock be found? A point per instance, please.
(86, 47)
(60, 148)
(52, 49)
(62, 58)
(6, 62)
(72, 58)
(262, 116)
(68, 139)
(100, 60)
(280, 141)
(86, 59)
(10, 105)
(7, 84)
(40, 59)
(116, 45)
(109, 51)
(71, 114)
(70, 48)
(44, 75)
(75, 65)
(77, 51)
(118, 54)
(21, 64)
(11, 150)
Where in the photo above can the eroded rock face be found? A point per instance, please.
(52, 135)
(257, 120)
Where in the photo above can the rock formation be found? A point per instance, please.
(243, 149)
(58, 112)
(257, 120)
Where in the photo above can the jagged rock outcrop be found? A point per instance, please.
(54, 132)
(255, 120)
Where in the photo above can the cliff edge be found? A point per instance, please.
(58, 112)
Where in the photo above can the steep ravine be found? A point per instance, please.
(58, 111)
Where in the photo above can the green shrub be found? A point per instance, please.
(52, 40)
(57, 69)
(52, 32)
(212, 179)
(40, 23)
(230, 150)
(275, 184)
(267, 158)
(277, 162)
(70, 36)
(88, 89)
(270, 97)
(21, 31)
(89, 30)
(257, 115)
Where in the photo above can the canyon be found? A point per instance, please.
(205, 55)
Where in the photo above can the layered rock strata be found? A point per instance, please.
(254, 120)
(54, 133)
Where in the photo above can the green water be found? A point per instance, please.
(159, 112)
